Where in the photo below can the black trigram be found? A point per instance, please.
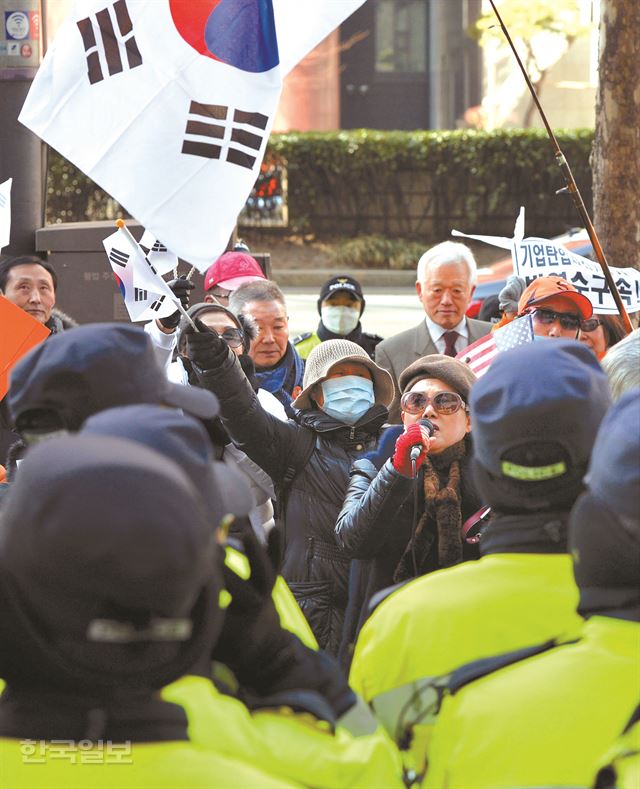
(157, 304)
(139, 294)
(110, 41)
(204, 125)
(119, 258)
(158, 246)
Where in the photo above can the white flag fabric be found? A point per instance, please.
(157, 254)
(146, 295)
(168, 105)
(5, 213)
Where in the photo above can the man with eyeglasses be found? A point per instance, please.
(556, 307)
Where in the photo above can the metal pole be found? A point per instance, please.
(571, 186)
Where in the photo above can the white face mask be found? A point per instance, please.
(340, 320)
(347, 398)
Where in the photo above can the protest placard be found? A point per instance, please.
(538, 257)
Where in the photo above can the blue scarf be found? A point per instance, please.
(281, 379)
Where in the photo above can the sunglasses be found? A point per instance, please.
(591, 324)
(233, 337)
(567, 320)
(444, 403)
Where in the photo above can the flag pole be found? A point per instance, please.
(571, 186)
(121, 225)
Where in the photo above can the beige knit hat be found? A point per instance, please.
(324, 356)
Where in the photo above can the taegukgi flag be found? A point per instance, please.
(5, 212)
(146, 295)
(157, 254)
(168, 104)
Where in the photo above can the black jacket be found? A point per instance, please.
(375, 526)
(366, 341)
(308, 460)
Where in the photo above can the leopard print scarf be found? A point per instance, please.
(442, 510)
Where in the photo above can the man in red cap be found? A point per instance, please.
(229, 272)
(556, 307)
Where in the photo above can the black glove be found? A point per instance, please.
(206, 349)
(263, 655)
(253, 643)
(180, 287)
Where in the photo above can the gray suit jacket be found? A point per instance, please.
(398, 352)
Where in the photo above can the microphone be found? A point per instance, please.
(416, 449)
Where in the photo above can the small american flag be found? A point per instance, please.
(480, 354)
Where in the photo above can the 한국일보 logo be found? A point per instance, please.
(240, 33)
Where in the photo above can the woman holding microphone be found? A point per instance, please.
(402, 525)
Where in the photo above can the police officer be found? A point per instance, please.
(534, 415)
(340, 307)
(546, 720)
(285, 674)
(110, 577)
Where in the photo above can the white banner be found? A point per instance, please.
(168, 104)
(537, 257)
(5, 213)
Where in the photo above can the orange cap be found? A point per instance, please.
(545, 288)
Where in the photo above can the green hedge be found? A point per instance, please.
(408, 184)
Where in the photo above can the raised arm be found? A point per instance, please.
(271, 443)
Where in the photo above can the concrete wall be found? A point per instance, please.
(87, 289)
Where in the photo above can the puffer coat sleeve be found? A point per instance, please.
(369, 515)
(276, 446)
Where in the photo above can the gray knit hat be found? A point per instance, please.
(324, 356)
(510, 294)
(453, 372)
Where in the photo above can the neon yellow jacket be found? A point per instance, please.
(433, 625)
(542, 722)
(305, 343)
(621, 763)
(59, 764)
(297, 747)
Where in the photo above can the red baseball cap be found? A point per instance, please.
(545, 288)
(232, 270)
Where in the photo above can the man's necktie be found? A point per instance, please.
(450, 338)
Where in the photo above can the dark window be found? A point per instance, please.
(401, 36)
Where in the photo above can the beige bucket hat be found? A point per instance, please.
(324, 356)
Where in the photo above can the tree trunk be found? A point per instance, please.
(615, 158)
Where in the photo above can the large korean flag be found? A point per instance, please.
(168, 104)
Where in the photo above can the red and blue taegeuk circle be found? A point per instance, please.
(240, 33)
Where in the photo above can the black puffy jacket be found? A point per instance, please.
(375, 526)
(308, 460)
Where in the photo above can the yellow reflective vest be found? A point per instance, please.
(295, 746)
(621, 764)
(305, 343)
(542, 722)
(436, 623)
(64, 764)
